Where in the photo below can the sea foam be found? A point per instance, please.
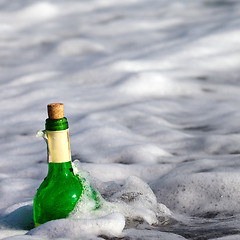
(134, 200)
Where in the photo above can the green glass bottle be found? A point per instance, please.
(61, 189)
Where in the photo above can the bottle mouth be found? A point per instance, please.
(56, 124)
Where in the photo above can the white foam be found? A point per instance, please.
(200, 193)
(154, 84)
(135, 200)
(110, 225)
(74, 47)
(12, 234)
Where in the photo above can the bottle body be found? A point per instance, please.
(58, 193)
(61, 189)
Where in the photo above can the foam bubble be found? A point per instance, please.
(110, 225)
(135, 200)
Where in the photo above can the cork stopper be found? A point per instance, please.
(55, 110)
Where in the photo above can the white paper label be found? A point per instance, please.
(58, 146)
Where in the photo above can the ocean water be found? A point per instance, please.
(151, 90)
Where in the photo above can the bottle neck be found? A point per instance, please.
(56, 124)
(60, 170)
(57, 133)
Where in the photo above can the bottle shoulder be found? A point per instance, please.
(60, 179)
(63, 181)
